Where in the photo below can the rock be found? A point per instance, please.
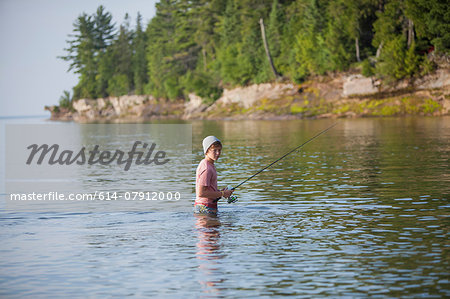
(137, 110)
(59, 113)
(247, 96)
(122, 104)
(358, 85)
(445, 103)
(439, 79)
(102, 103)
(194, 107)
(83, 105)
(265, 101)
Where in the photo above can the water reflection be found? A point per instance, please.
(362, 211)
(209, 253)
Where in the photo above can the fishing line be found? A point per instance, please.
(293, 150)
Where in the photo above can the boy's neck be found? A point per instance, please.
(208, 159)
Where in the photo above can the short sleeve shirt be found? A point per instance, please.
(206, 175)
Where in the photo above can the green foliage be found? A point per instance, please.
(430, 106)
(118, 85)
(338, 41)
(235, 66)
(397, 61)
(122, 55)
(389, 23)
(367, 69)
(427, 66)
(432, 21)
(390, 107)
(275, 32)
(139, 59)
(65, 101)
(310, 50)
(93, 35)
(410, 105)
(203, 46)
(202, 85)
(172, 88)
(171, 50)
(296, 109)
(412, 61)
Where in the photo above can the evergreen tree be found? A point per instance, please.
(105, 72)
(275, 31)
(338, 38)
(389, 23)
(432, 21)
(93, 35)
(229, 49)
(162, 80)
(121, 53)
(311, 52)
(202, 46)
(139, 57)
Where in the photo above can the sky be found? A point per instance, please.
(33, 33)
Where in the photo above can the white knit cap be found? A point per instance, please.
(208, 141)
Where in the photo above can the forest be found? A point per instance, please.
(204, 46)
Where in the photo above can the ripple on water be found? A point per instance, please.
(343, 217)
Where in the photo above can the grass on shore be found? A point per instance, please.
(392, 106)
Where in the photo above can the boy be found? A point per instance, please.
(206, 190)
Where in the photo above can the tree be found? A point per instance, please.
(266, 47)
(275, 31)
(139, 57)
(161, 51)
(311, 52)
(121, 52)
(65, 101)
(389, 23)
(338, 38)
(431, 20)
(202, 46)
(92, 36)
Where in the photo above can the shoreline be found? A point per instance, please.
(338, 96)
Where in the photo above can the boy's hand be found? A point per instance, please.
(227, 193)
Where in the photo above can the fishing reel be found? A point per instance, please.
(232, 198)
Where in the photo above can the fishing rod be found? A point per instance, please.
(291, 151)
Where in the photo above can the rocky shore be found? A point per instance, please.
(341, 95)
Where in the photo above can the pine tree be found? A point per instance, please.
(160, 32)
(122, 80)
(275, 31)
(93, 35)
(337, 36)
(311, 52)
(202, 46)
(431, 21)
(139, 57)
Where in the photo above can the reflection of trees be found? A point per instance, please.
(208, 252)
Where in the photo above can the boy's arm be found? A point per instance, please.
(204, 192)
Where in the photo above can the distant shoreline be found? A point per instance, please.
(25, 116)
(338, 96)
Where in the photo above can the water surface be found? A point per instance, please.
(360, 211)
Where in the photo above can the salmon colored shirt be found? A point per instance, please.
(206, 175)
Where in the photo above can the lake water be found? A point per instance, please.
(362, 210)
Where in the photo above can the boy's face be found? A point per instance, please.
(214, 152)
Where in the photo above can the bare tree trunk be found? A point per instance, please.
(357, 49)
(204, 58)
(266, 47)
(379, 50)
(410, 32)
